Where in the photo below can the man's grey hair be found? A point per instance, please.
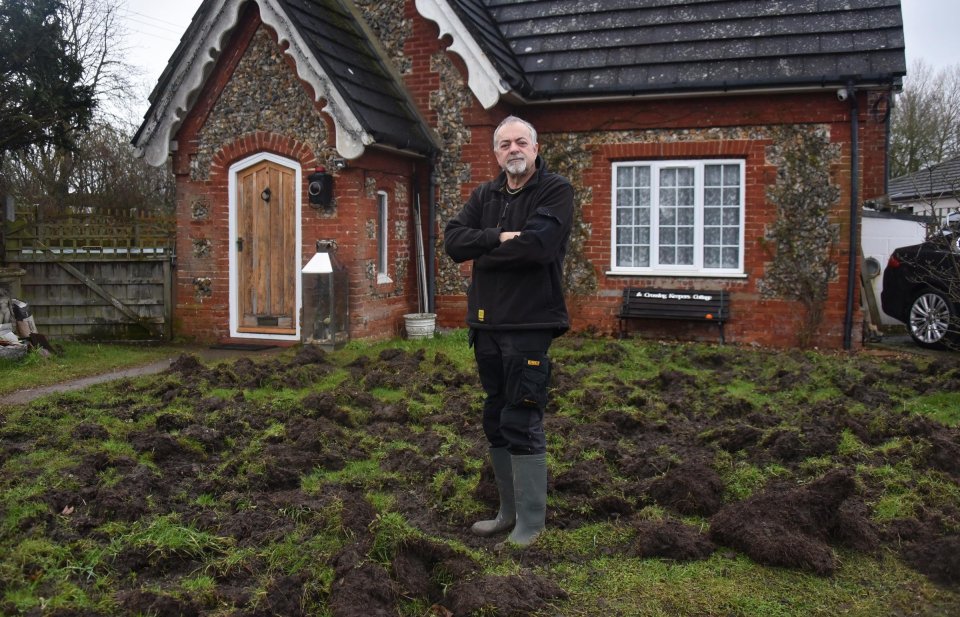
(510, 120)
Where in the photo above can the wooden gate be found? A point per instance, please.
(102, 276)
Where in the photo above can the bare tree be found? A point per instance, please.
(98, 39)
(925, 124)
(102, 170)
(103, 174)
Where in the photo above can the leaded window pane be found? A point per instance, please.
(731, 257)
(668, 197)
(731, 175)
(711, 257)
(711, 197)
(711, 236)
(711, 216)
(731, 197)
(642, 197)
(711, 175)
(642, 256)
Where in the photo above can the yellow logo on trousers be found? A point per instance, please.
(480, 315)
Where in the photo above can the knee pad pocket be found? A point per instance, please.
(532, 385)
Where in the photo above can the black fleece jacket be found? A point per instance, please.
(516, 285)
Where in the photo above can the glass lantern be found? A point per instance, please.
(326, 304)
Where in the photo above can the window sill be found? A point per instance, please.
(679, 274)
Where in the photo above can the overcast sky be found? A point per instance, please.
(154, 28)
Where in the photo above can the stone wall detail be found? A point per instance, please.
(263, 95)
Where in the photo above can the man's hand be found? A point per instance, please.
(508, 235)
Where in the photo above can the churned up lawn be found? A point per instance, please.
(685, 479)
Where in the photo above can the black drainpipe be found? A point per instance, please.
(854, 206)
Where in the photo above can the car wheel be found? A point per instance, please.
(931, 319)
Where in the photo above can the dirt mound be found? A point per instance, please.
(670, 539)
(691, 488)
(159, 605)
(356, 578)
(503, 595)
(793, 527)
(938, 558)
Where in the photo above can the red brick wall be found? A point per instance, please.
(202, 281)
(754, 319)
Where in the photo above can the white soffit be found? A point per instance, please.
(197, 62)
(482, 78)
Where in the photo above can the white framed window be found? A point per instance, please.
(678, 218)
(382, 245)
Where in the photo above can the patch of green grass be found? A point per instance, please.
(390, 530)
(388, 395)
(587, 540)
(742, 479)
(942, 406)
(77, 360)
(166, 535)
(365, 472)
(301, 552)
(720, 585)
(200, 586)
(276, 399)
(453, 493)
(850, 445)
(42, 574)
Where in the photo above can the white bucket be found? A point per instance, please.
(420, 325)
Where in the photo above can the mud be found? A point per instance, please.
(652, 442)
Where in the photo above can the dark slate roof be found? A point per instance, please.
(549, 49)
(936, 182)
(344, 50)
(347, 55)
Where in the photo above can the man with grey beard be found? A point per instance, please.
(515, 228)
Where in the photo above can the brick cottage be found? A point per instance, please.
(716, 145)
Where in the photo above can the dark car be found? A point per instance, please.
(921, 288)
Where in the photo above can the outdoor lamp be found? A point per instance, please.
(326, 301)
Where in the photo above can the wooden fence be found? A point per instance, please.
(104, 275)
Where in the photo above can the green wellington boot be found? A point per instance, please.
(503, 472)
(530, 490)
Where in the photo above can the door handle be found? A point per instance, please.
(239, 245)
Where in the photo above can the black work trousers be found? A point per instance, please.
(514, 372)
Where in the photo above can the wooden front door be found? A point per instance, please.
(266, 249)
